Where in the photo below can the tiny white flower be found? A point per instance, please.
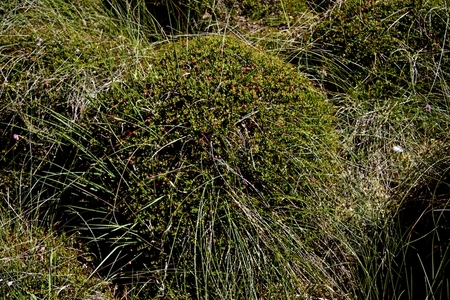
(38, 41)
(398, 149)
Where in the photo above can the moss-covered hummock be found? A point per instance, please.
(54, 60)
(392, 47)
(213, 123)
(215, 107)
(231, 108)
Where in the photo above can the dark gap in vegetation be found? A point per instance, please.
(422, 261)
(170, 16)
(426, 258)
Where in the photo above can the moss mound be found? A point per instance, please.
(215, 123)
(391, 47)
(234, 110)
(388, 60)
(215, 107)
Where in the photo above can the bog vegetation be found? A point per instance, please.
(224, 149)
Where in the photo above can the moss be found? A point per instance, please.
(43, 265)
(214, 120)
(389, 59)
(223, 110)
(390, 47)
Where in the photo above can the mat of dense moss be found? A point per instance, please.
(53, 58)
(213, 121)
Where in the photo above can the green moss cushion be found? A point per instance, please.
(215, 120)
(216, 110)
(390, 47)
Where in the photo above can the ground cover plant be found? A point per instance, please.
(225, 150)
(37, 265)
